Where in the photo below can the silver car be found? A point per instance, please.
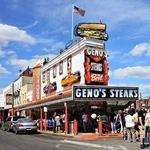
(24, 125)
(10, 121)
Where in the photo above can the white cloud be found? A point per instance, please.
(141, 49)
(140, 72)
(3, 70)
(145, 87)
(144, 90)
(23, 63)
(1, 91)
(2, 53)
(11, 33)
(6, 53)
(51, 44)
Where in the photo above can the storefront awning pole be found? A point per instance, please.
(66, 118)
(41, 118)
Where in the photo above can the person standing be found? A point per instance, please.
(136, 120)
(119, 121)
(94, 121)
(112, 121)
(141, 116)
(130, 124)
(85, 122)
(104, 122)
(147, 125)
(57, 120)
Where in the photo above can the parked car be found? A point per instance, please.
(10, 121)
(24, 125)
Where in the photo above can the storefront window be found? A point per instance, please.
(54, 71)
(48, 75)
(43, 77)
(61, 68)
(69, 64)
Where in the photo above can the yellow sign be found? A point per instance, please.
(69, 80)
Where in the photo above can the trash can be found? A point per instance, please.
(71, 127)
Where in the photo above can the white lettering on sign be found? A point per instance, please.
(96, 66)
(78, 92)
(121, 93)
(108, 92)
(95, 52)
(96, 77)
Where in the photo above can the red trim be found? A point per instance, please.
(66, 93)
(45, 122)
(66, 118)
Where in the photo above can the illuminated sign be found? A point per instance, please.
(96, 77)
(91, 30)
(9, 99)
(16, 93)
(50, 88)
(96, 66)
(95, 52)
(70, 79)
(103, 93)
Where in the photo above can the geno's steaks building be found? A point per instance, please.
(77, 81)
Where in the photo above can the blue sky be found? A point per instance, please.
(31, 29)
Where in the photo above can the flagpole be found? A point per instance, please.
(72, 21)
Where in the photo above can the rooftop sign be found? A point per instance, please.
(86, 93)
(91, 30)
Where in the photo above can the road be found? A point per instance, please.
(10, 141)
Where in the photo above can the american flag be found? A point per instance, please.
(79, 11)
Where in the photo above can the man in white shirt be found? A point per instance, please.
(129, 123)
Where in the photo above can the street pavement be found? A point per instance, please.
(10, 141)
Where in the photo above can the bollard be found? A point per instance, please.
(100, 126)
(45, 121)
(75, 127)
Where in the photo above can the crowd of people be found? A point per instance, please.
(133, 123)
(137, 125)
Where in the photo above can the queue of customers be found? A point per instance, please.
(132, 123)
